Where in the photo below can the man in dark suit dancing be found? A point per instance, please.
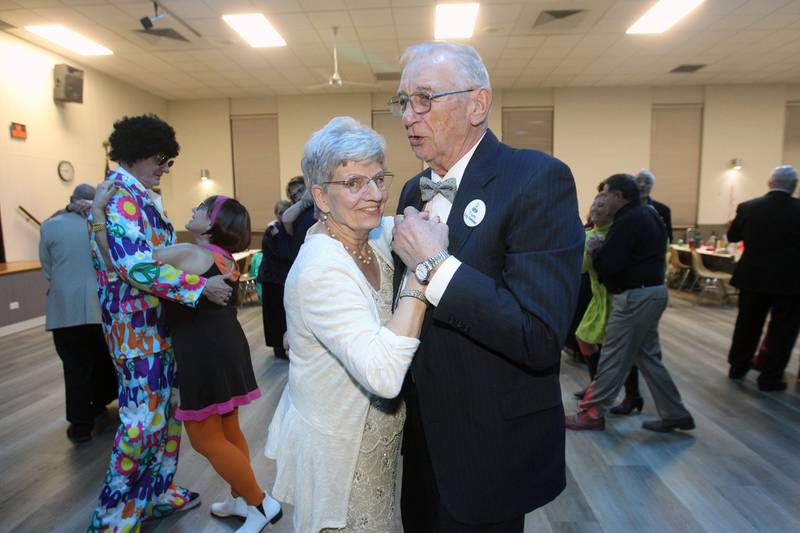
(767, 279)
(484, 436)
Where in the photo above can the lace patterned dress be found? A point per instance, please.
(371, 507)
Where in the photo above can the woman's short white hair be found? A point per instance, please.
(341, 140)
(784, 177)
(467, 63)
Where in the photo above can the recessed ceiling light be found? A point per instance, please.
(255, 29)
(663, 15)
(455, 21)
(66, 38)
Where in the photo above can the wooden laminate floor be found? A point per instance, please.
(737, 472)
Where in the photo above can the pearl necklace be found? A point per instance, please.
(363, 258)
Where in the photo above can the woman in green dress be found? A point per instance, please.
(591, 331)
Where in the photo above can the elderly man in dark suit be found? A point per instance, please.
(484, 437)
(645, 180)
(73, 315)
(767, 279)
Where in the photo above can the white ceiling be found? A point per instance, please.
(740, 41)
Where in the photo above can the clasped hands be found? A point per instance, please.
(595, 242)
(417, 236)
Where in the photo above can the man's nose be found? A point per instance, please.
(409, 115)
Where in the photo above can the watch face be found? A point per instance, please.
(66, 171)
(421, 272)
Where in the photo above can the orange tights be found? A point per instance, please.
(220, 440)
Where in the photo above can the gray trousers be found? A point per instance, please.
(632, 338)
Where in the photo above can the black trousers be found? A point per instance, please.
(785, 324)
(421, 506)
(90, 380)
(274, 316)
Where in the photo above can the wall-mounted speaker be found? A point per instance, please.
(68, 84)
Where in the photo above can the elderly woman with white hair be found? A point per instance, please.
(337, 430)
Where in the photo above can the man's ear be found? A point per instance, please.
(480, 105)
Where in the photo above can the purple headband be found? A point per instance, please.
(218, 201)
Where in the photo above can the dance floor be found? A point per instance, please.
(738, 471)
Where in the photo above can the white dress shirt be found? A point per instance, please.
(441, 206)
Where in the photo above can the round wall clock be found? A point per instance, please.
(66, 171)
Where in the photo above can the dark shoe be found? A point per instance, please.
(583, 420)
(158, 511)
(627, 406)
(665, 425)
(738, 372)
(77, 435)
(772, 386)
(581, 393)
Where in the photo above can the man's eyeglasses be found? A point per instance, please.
(163, 159)
(420, 101)
(358, 184)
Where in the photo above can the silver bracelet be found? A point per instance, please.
(413, 293)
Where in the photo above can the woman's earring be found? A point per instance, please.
(324, 217)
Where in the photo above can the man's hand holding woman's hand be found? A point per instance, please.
(417, 237)
(216, 290)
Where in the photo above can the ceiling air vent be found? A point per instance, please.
(564, 19)
(167, 33)
(686, 69)
(387, 76)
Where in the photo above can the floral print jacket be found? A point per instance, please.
(130, 288)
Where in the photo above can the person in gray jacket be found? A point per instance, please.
(73, 315)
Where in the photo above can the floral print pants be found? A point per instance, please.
(138, 482)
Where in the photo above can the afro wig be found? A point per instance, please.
(136, 138)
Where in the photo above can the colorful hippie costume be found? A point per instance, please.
(138, 482)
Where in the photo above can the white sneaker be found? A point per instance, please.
(230, 507)
(256, 521)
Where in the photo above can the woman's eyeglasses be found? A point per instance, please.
(358, 184)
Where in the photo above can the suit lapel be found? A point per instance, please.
(479, 172)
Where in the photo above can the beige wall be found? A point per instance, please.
(56, 132)
(203, 129)
(599, 132)
(300, 116)
(745, 122)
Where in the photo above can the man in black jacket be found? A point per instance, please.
(484, 435)
(630, 262)
(767, 279)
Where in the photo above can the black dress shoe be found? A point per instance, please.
(771, 386)
(738, 372)
(665, 425)
(627, 406)
(78, 436)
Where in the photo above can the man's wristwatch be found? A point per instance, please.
(423, 270)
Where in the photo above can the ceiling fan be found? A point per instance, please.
(336, 80)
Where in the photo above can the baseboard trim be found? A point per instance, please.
(22, 326)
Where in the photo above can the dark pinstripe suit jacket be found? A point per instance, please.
(486, 371)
